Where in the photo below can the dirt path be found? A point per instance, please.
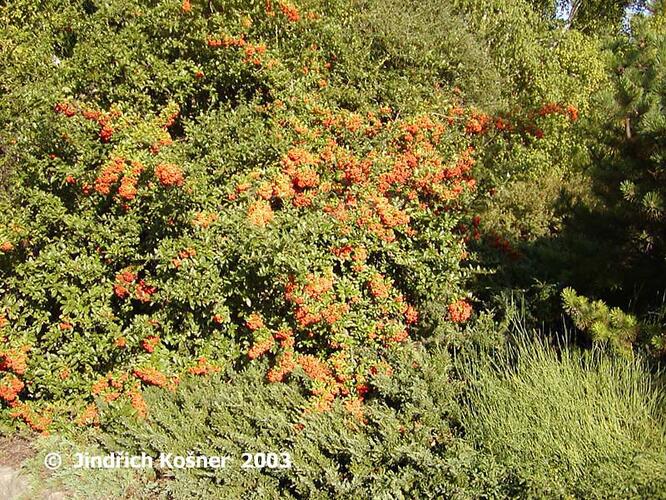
(14, 485)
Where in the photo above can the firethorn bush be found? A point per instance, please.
(318, 257)
(216, 196)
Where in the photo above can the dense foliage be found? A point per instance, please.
(243, 210)
(314, 204)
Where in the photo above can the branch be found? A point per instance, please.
(627, 127)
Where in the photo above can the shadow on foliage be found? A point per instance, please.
(593, 253)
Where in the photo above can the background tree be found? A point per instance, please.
(589, 15)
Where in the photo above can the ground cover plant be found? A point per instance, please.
(305, 208)
(540, 420)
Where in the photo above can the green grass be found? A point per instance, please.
(568, 423)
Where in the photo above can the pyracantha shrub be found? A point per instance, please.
(146, 242)
(193, 184)
(319, 259)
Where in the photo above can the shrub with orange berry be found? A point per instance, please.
(243, 198)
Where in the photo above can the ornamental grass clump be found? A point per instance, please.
(566, 422)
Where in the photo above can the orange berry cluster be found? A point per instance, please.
(183, 255)
(10, 387)
(151, 376)
(260, 213)
(554, 108)
(121, 174)
(37, 422)
(460, 311)
(124, 389)
(150, 342)
(14, 363)
(128, 279)
(288, 10)
(111, 174)
(14, 360)
(203, 367)
(104, 120)
(169, 174)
